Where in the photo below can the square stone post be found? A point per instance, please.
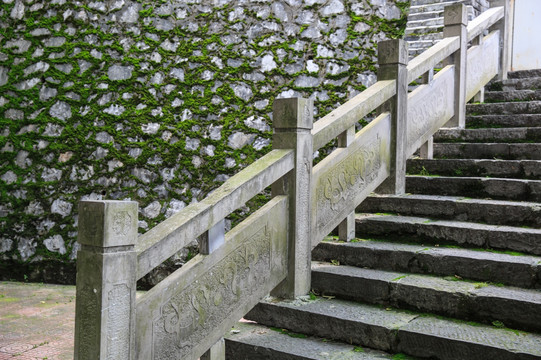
(346, 229)
(106, 280)
(292, 120)
(505, 25)
(393, 60)
(480, 96)
(455, 20)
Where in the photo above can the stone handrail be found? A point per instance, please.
(339, 120)
(175, 233)
(186, 314)
(484, 22)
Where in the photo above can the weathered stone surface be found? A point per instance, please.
(248, 340)
(511, 189)
(119, 72)
(61, 207)
(60, 110)
(55, 244)
(462, 209)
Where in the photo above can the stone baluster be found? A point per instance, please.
(393, 60)
(293, 119)
(346, 229)
(211, 240)
(455, 20)
(426, 151)
(106, 280)
(505, 25)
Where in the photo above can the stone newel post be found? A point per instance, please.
(455, 20)
(106, 280)
(393, 60)
(293, 119)
(505, 26)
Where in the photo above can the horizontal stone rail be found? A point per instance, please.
(484, 21)
(173, 234)
(431, 57)
(347, 115)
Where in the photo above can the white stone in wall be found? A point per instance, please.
(304, 81)
(174, 207)
(61, 207)
(324, 52)
(39, 66)
(257, 123)
(17, 12)
(215, 132)
(113, 164)
(261, 104)
(242, 91)
(338, 37)
(55, 244)
(27, 84)
(197, 161)
(51, 174)
(239, 139)
(192, 144)
(177, 73)
(104, 137)
(334, 7)
(60, 110)
(260, 143)
(268, 63)
(26, 248)
(14, 114)
(5, 245)
(21, 45)
(119, 72)
(230, 163)
(54, 41)
(9, 177)
(150, 128)
(34, 208)
(115, 109)
(53, 130)
(208, 150)
(279, 11)
(22, 160)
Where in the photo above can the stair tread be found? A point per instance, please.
(266, 343)
(513, 134)
(473, 264)
(389, 329)
(449, 296)
(428, 222)
(501, 212)
(525, 169)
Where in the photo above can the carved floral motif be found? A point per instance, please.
(195, 311)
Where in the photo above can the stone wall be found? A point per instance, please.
(156, 101)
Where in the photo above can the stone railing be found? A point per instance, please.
(186, 315)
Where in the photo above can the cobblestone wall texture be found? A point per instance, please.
(157, 101)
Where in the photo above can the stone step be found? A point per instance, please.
(496, 212)
(483, 266)
(434, 231)
(514, 307)
(521, 74)
(477, 187)
(528, 107)
(518, 120)
(520, 134)
(512, 151)
(428, 36)
(396, 331)
(434, 22)
(522, 169)
(248, 341)
(427, 6)
(516, 95)
(531, 83)
(420, 44)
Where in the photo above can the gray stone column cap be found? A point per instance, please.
(456, 14)
(293, 113)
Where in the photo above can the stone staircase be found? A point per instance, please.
(450, 270)
(425, 21)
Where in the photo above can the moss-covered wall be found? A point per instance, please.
(156, 101)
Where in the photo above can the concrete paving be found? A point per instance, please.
(36, 321)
